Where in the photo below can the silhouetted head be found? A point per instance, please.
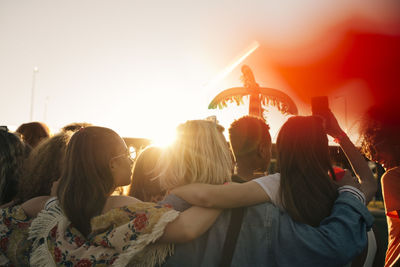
(250, 139)
(33, 132)
(13, 152)
(75, 126)
(144, 186)
(380, 135)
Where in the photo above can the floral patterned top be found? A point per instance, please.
(118, 237)
(14, 243)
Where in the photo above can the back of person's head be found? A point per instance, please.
(249, 136)
(144, 186)
(33, 132)
(43, 167)
(380, 133)
(200, 154)
(75, 126)
(306, 189)
(12, 155)
(87, 178)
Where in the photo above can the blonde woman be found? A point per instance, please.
(86, 226)
(200, 154)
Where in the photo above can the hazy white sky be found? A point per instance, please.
(141, 67)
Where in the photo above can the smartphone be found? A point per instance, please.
(319, 105)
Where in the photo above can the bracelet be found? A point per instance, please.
(339, 137)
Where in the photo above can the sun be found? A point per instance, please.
(164, 138)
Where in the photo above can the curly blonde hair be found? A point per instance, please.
(200, 154)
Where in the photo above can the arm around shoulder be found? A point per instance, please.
(229, 195)
(189, 225)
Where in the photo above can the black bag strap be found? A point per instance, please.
(231, 236)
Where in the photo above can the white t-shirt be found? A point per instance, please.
(271, 184)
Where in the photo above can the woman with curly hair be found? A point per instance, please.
(43, 167)
(380, 135)
(13, 152)
(12, 155)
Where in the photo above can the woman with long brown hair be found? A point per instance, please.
(85, 224)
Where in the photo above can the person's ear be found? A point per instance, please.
(263, 151)
(111, 164)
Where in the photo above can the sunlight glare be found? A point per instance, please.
(164, 138)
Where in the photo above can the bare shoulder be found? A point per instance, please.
(33, 206)
(119, 201)
(391, 176)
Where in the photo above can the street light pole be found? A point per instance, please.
(35, 70)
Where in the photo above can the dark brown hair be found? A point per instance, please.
(86, 181)
(306, 190)
(246, 134)
(43, 167)
(13, 153)
(75, 126)
(144, 186)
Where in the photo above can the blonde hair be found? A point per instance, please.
(200, 154)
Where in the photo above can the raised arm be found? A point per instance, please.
(229, 195)
(356, 160)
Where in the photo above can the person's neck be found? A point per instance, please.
(247, 173)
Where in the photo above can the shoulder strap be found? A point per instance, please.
(231, 236)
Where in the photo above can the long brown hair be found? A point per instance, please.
(306, 190)
(86, 181)
(43, 167)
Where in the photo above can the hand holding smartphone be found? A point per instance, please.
(320, 107)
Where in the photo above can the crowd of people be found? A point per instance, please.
(203, 200)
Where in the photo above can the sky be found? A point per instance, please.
(143, 67)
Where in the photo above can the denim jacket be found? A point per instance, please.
(269, 237)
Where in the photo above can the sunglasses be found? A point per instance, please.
(126, 154)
